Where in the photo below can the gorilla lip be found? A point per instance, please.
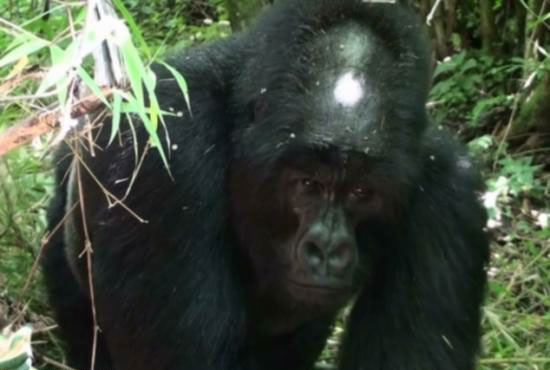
(322, 288)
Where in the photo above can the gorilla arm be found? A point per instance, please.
(176, 267)
(421, 309)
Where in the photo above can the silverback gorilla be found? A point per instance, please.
(305, 177)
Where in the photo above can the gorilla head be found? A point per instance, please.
(326, 152)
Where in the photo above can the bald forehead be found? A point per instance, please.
(347, 45)
(346, 84)
(345, 66)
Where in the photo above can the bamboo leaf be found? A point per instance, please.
(22, 51)
(181, 83)
(115, 124)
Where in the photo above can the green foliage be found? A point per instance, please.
(67, 64)
(515, 177)
(471, 80)
(15, 349)
(521, 175)
(183, 22)
(516, 314)
(480, 145)
(24, 185)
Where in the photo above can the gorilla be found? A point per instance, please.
(305, 178)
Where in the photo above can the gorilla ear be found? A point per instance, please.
(257, 110)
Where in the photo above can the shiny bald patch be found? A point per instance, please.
(349, 90)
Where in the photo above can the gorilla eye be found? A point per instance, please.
(310, 185)
(361, 193)
(307, 183)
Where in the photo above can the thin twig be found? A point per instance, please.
(88, 251)
(29, 128)
(431, 16)
(45, 239)
(59, 365)
(516, 360)
(17, 80)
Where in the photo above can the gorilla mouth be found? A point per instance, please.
(323, 296)
(320, 288)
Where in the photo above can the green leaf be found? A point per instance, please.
(92, 85)
(483, 106)
(23, 50)
(15, 349)
(18, 40)
(133, 130)
(56, 54)
(115, 124)
(61, 67)
(136, 32)
(444, 68)
(134, 68)
(150, 128)
(150, 81)
(481, 144)
(470, 63)
(181, 83)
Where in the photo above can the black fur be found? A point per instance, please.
(174, 293)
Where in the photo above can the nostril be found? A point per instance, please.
(340, 258)
(313, 254)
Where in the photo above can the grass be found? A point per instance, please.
(517, 312)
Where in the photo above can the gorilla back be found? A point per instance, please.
(307, 178)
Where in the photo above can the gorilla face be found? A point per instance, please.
(328, 160)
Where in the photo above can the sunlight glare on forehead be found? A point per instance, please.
(348, 90)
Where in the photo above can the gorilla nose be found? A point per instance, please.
(327, 260)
